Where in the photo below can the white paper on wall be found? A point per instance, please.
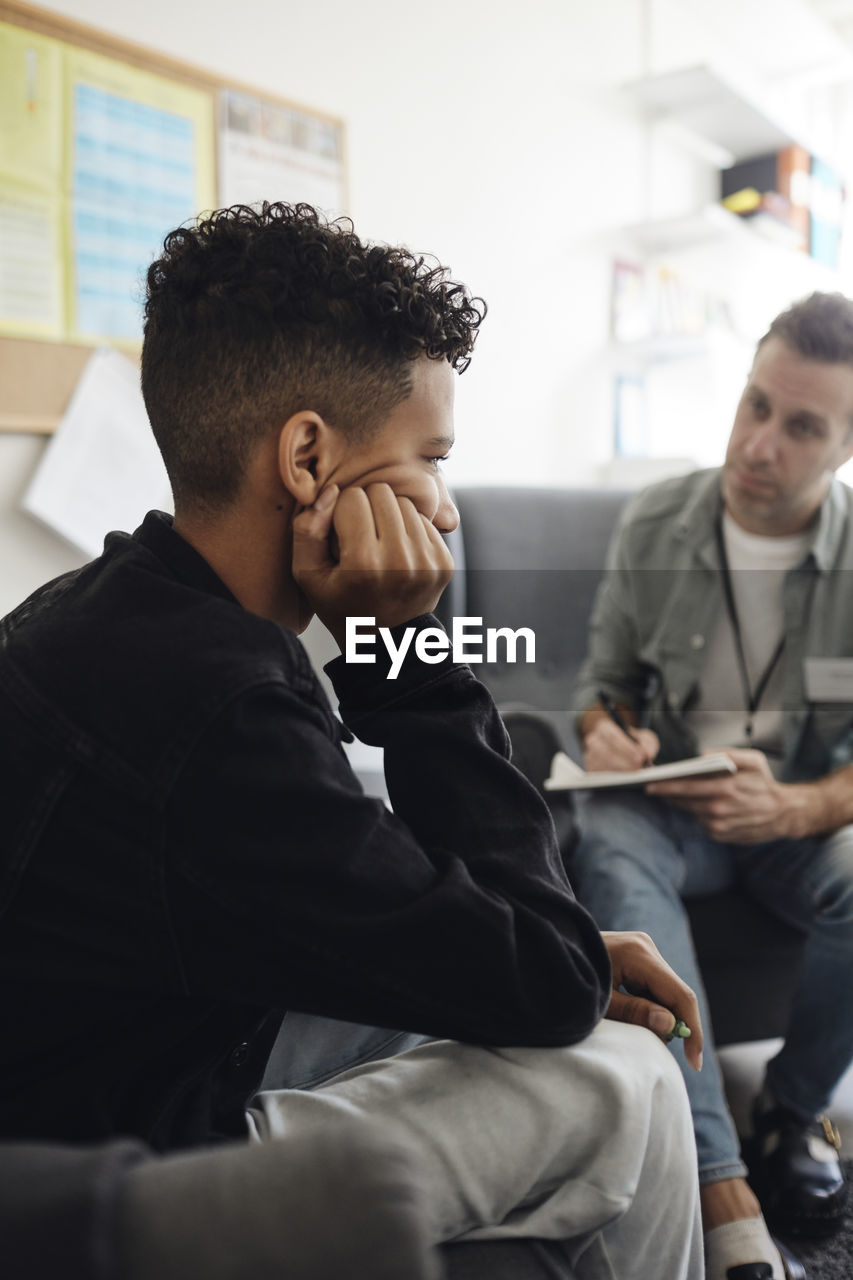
(268, 151)
(102, 469)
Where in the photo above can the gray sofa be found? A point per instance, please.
(534, 557)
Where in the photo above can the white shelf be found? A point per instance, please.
(712, 105)
(704, 226)
(715, 228)
(709, 225)
(659, 348)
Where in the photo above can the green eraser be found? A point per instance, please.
(680, 1031)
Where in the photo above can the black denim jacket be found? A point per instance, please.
(186, 853)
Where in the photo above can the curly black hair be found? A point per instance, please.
(252, 314)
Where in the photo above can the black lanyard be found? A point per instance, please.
(751, 698)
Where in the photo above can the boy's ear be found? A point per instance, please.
(306, 448)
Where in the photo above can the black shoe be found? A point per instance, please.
(794, 1269)
(795, 1171)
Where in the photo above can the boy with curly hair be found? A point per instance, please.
(190, 854)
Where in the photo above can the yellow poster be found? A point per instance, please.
(31, 261)
(30, 107)
(139, 162)
(32, 237)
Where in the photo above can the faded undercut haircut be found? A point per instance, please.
(819, 327)
(254, 314)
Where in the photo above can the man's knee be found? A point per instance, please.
(623, 841)
(834, 889)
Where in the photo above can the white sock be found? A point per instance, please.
(736, 1243)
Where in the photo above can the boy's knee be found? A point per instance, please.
(671, 1144)
(645, 1086)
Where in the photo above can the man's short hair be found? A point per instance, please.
(819, 327)
(253, 314)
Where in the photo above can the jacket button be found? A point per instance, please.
(697, 642)
(240, 1055)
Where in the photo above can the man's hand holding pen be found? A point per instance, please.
(612, 741)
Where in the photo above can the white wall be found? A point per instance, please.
(494, 137)
(489, 139)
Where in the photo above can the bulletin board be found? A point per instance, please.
(104, 147)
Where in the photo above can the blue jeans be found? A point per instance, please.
(638, 857)
(310, 1050)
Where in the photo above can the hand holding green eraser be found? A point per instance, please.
(680, 1031)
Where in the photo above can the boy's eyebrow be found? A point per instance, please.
(441, 442)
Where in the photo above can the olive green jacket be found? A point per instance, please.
(659, 600)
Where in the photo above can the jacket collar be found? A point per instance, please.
(696, 524)
(830, 526)
(158, 536)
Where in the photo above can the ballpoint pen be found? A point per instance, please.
(651, 687)
(616, 716)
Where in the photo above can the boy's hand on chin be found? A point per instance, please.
(389, 561)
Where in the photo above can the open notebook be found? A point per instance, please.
(568, 776)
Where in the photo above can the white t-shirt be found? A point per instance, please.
(718, 716)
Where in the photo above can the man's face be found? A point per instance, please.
(792, 429)
(408, 448)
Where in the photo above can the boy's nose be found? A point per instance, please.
(446, 518)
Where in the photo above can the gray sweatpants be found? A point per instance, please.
(591, 1145)
(322, 1206)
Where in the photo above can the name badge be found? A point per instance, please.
(829, 679)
